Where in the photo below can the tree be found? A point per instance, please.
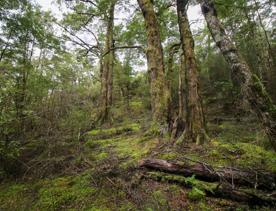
(173, 49)
(107, 64)
(195, 123)
(155, 59)
(252, 37)
(251, 87)
(23, 32)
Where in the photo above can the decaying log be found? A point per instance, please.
(205, 172)
(227, 192)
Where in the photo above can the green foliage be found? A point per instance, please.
(9, 154)
(198, 188)
(196, 194)
(9, 151)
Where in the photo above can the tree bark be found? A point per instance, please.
(251, 87)
(155, 60)
(179, 122)
(107, 63)
(174, 48)
(195, 124)
(181, 80)
(205, 172)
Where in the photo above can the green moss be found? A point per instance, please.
(176, 189)
(94, 145)
(260, 88)
(98, 208)
(64, 192)
(198, 187)
(243, 154)
(136, 104)
(154, 130)
(166, 177)
(90, 144)
(111, 132)
(134, 148)
(203, 206)
(160, 197)
(101, 156)
(127, 206)
(98, 132)
(169, 156)
(13, 196)
(232, 132)
(256, 156)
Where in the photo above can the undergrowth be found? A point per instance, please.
(106, 181)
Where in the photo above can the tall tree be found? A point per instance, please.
(195, 124)
(179, 122)
(107, 64)
(158, 87)
(251, 87)
(174, 48)
(23, 33)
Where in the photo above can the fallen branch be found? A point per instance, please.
(226, 192)
(205, 172)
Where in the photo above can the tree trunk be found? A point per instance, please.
(195, 125)
(268, 57)
(179, 122)
(181, 80)
(172, 51)
(158, 86)
(205, 172)
(251, 87)
(107, 67)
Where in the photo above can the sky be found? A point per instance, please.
(194, 12)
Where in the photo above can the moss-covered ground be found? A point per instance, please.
(110, 180)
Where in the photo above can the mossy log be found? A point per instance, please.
(202, 171)
(250, 197)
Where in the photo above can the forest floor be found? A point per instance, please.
(105, 175)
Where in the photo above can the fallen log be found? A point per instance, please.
(215, 190)
(205, 172)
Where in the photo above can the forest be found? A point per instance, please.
(137, 105)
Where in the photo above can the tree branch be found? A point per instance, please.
(124, 47)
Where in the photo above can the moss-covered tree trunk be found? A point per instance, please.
(195, 126)
(107, 64)
(179, 121)
(181, 79)
(174, 48)
(158, 86)
(251, 87)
